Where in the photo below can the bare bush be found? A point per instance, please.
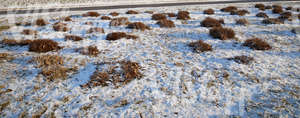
(222, 33)
(41, 22)
(73, 38)
(260, 6)
(132, 12)
(105, 18)
(242, 59)
(139, 26)
(43, 45)
(183, 15)
(91, 14)
(262, 14)
(200, 46)
(90, 50)
(229, 9)
(4, 27)
(239, 12)
(289, 8)
(114, 14)
(119, 21)
(211, 22)
(166, 23)
(277, 10)
(60, 27)
(286, 16)
(242, 21)
(119, 35)
(171, 14)
(272, 21)
(209, 11)
(257, 44)
(96, 29)
(68, 19)
(29, 32)
(159, 16)
(149, 12)
(13, 42)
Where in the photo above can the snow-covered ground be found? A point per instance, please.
(177, 82)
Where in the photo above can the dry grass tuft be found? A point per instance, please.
(209, 11)
(149, 12)
(166, 23)
(272, 21)
(183, 15)
(239, 12)
(119, 74)
(262, 14)
(119, 35)
(91, 14)
(159, 16)
(105, 18)
(200, 46)
(23, 24)
(96, 29)
(286, 16)
(222, 33)
(211, 22)
(268, 7)
(43, 45)
(67, 19)
(242, 21)
(257, 44)
(132, 12)
(5, 57)
(73, 38)
(289, 8)
(13, 42)
(90, 50)
(114, 13)
(49, 60)
(260, 6)
(119, 21)
(3, 28)
(229, 9)
(41, 22)
(138, 25)
(89, 23)
(277, 10)
(29, 32)
(242, 59)
(171, 14)
(60, 27)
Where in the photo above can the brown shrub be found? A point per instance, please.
(6, 57)
(23, 24)
(119, 21)
(200, 46)
(105, 18)
(257, 44)
(286, 16)
(276, 6)
(29, 32)
(90, 50)
(260, 6)
(289, 8)
(239, 12)
(3, 28)
(209, 11)
(48, 60)
(119, 35)
(138, 25)
(277, 10)
(13, 42)
(60, 27)
(68, 19)
(91, 14)
(132, 12)
(89, 23)
(268, 7)
(211, 22)
(242, 21)
(272, 21)
(242, 59)
(96, 29)
(222, 33)
(159, 16)
(183, 15)
(229, 9)
(171, 14)
(166, 23)
(41, 22)
(43, 45)
(262, 14)
(131, 70)
(114, 13)
(149, 12)
(73, 38)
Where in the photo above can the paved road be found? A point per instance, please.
(133, 6)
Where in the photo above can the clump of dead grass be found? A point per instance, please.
(159, 16)
(166, 23)
(114, 13)
(239, 12)
(138, 25)
(132, 12)
(149, 12)
(257, 44)
(91, 14)
(29, 32)
(4, 27)
(229, 9)
(183, 15)
(41, 22)
(200, 46)
(119, 21)
(96, 29)
(13, 42)
(209, 11)
(211, 22)
(5, 57)
(119, 35)
(260, 6)
(289, 8)
(272, 21)
(90, 50)
(262, 14)
(242, 59)
(286, 16)
(60, 27)
(43, 45)
(73, 38)
(242, 21)
(222, 33)
(105, 18)
(277, 10)
(67, 19)
(171, 14)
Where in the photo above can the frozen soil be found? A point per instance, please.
(176, 81)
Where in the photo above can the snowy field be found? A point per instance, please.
(175, 81)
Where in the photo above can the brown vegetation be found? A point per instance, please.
(96, 29)
(239, 12)
(200, 46)
(4, 27)
(89, 23)
(29, 32)
(114, 13)
(23, 24)
(260, 6)
(262, 14)
(60, 27)
(171, 14)
(105, 18)
(286, 16)
(5, 57)
(272, 21)
(41, 22)
(13, 42)
(229, 9)
(183, 15)
(91, 14)
(222, 33)
(257, 44)
(90, 50)
(211, 22)
(209, 11)
(119, 21)
(73, 38)
(166, 23)
(242, 21)
(159, 16)
(43, 45)
(268, 7)
(68, 19)
(289, 8)
(149, 12)
(277, 10)
(139, 26)
(119, 35)
(132, 12)
(242, 59)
